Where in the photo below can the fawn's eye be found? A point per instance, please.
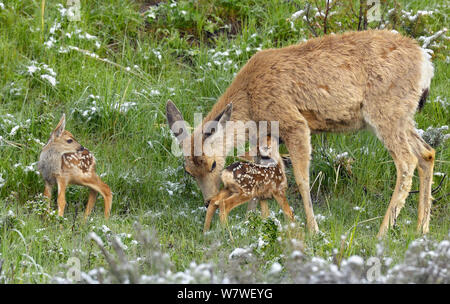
(213, 166)
(69, 141)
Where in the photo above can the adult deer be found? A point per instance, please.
(370, 79)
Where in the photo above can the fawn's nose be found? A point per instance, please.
(81, 148)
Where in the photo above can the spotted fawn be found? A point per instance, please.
(64, 161)
(244, 181)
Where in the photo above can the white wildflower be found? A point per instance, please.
(50, 79)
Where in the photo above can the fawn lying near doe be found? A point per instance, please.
(64, 161)
(373, 79)
(244, 181)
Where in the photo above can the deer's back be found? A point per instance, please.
(254, 179)
(329, 79)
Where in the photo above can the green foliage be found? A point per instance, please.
(266, 231)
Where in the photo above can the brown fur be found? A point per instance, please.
(334, 83)
(64, 161)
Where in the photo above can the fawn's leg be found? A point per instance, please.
(90, 203)
(95, 183)
(62, 185)
(48, 193)
(212, 207)
(283, 202)
(425, 155)
(209, 215)
(228, 204)
(264, 208)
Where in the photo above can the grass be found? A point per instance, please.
(115, 106)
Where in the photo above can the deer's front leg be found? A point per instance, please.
(209, 215)
(296, 134)
(48, 193)
(228, 204)
(212, 207)
(62, 185)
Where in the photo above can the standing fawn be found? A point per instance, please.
(244, 181)
(373, 79)
(64, 161)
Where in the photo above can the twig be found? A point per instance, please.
(360, 16)
(427, 40)
(435, 189)
(95, 56)
(11, 143)
(308, 22)
(439, 198)
(327, 10)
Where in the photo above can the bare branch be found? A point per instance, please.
(427, 40)
(327, 10)
(308, 22)
(360, 16)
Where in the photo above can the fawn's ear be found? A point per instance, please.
(176, 123)
(59, 128)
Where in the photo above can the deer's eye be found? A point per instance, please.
(213, 166)
(69, 141)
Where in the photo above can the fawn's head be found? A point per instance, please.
(204, 152)
(62, 140)
(268, 149)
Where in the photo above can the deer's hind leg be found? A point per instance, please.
(283, 202)
(425, 155)
(91, 202)
(394, 130)
(96, 184)
(405, 163)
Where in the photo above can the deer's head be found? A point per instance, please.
(61, 140)
(204, 152)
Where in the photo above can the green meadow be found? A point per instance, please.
(111, 66)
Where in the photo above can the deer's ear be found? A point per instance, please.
(220, 121)
(59, 128)
(176, 123)
(225, 115)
